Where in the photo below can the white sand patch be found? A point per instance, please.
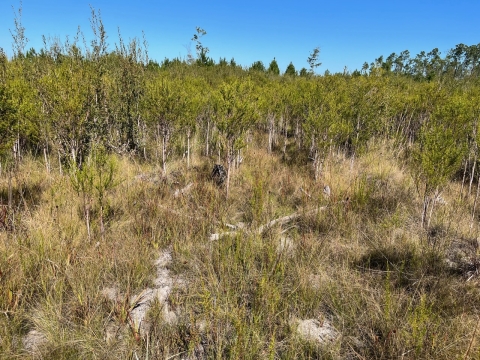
(322, 333)
(285, 246)
(142, 302)
(33, 341)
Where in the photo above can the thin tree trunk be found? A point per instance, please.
(475, 203)
(464, 177)
(431, 210)
(425, 209)
(60, 163)
(86, 208)
(274, 133)
(269, 141)
(208, 138)
(271, 120)
(228, 176)
(157, 140)
(229, 159)
(473, 174)
(10, 192)
(87, 219)
(74, 157)
(102, 225)
(18, 147)
(144, 138)
(164, 155)
(297, 134)
(47, 164)
(316, 164)
(188, 151)
(238, 159)
(285, 139)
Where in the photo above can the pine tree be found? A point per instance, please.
(290, 70)
(258, 66)
(273, 67)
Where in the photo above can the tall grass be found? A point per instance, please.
(358, 258)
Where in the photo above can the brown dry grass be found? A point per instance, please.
(364, 263)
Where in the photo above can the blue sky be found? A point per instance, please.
(347, 32)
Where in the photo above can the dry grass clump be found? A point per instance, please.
(287, 253)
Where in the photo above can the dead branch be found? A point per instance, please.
(178, 213)
(306, 193)
(218, 236)
(183, 191)
(279, 221)
(286, 219)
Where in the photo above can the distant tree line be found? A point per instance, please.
(460, 62)
(71, 97)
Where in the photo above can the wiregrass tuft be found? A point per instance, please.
(363, 263)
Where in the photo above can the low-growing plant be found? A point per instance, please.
(92, 180)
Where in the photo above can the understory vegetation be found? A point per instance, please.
(349, 200)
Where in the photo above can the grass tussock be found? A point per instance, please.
(357, 258)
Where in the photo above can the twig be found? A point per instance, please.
(175, 212)
(279, 221)
(173, 356)
(286, 219)
(218, 236)
(301, 189)
(183, 191)
(471, 341)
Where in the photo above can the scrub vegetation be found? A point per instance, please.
(346, 202)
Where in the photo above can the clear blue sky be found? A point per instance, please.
(347, 32)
